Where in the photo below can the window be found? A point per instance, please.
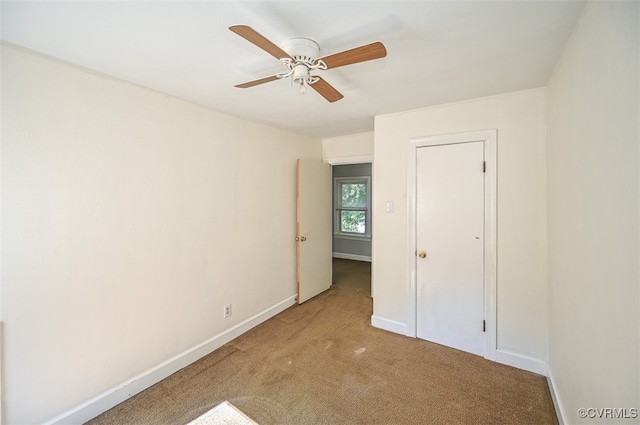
(352, 205)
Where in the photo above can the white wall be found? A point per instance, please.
(126, 219)
(351, 149)
(593, 196)
(521, 227)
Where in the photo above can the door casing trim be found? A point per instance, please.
(489, 139)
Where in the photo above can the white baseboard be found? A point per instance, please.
(535, 366)
(389, 325)
(505, 357)
(345, 256)
(522, 362)
(560, 412)
(110, 398)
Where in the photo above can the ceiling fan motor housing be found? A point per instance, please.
(304, 52)
(302, 49)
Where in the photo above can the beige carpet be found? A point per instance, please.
(323, 363)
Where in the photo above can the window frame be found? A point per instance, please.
(337, 207)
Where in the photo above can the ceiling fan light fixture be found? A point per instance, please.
(300, 76)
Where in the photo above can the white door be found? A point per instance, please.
(450, 245)
(313, 228)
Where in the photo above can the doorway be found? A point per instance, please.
(351, 247)
(451, 191)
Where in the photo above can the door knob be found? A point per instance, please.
(297, 239)
(422, 254)
(303, 238)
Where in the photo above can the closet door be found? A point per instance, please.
(450, 245)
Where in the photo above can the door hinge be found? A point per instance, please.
(484, 326)
(484, 166)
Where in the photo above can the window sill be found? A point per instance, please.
(352, 237)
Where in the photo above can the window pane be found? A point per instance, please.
(353, 195)
(352, 221)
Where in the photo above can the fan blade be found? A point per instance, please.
(252, 36)
(256, 82)
(358, 54)
(326, 90)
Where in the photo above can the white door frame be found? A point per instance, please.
(489, 137)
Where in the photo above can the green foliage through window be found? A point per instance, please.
(354, 195)
(353, 222)
(351, 206)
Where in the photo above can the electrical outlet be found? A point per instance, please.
(227, 310)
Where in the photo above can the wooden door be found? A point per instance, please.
(450, 245)
(313, 228)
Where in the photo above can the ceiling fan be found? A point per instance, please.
(300, 56)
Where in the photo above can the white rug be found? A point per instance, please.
(224, 413)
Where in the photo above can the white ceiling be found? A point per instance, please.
(438, 51)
